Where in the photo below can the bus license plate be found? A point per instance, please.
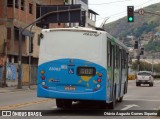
(70, 88)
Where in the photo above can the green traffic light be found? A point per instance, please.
(130, 19)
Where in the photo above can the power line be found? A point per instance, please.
(108, 3)
(124, 11)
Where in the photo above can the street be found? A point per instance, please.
(137, 98)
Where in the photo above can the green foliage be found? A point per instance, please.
(145, 66)
(153, 46)
(145, 28)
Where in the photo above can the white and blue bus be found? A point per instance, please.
(77, 64)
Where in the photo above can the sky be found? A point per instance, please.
(115, 9)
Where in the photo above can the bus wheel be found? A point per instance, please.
(60, 103)
(120, 99)
(67, 103)
(113, 103)
(102, 105)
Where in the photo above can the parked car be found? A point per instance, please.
(144, 77)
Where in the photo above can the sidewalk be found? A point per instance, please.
(14, 89)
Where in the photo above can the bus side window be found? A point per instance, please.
(122, 59)
(125, 59)
(109, 54)
(117, 58)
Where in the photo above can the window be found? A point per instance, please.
(37, 11)
(22, 5)
(123, 59)
(9, 33)
(85, 1)
(117, 57)
(17, 4)
(30, 8)
(9, 3)
(109, 53)
(16, 33)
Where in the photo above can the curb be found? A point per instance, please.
(14, 89)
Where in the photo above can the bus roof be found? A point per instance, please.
(84, 29)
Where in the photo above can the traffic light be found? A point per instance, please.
(142, 51)
(130, 13)
(136, 45)
(31, 50)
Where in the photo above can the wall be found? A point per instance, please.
(3, 35)
(36, 31)
(12, 74)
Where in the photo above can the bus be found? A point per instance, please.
(82, 64)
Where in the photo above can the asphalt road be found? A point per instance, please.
(137, 98)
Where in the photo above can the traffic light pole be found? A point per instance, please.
(29, 84)
(19, 86)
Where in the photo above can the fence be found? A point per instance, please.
(12, 74)
(34, 71)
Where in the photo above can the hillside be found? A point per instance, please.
(143, 26)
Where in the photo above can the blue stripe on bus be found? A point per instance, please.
(62, 81)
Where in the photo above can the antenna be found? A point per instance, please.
(104, 21)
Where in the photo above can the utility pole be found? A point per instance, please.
(19, 86)
(30, 42)
(4, 84)
(152, 63)
(138, 62)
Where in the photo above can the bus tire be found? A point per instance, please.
(59, 103)
(113, 103)
(120, 99)
(125, 88)
(102, 105)
(67, 103)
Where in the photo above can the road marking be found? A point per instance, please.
(157, 82)
(14, 106)
(155, 108)
(126, 96)
(143, 100)
(129, 106)
(54, 107)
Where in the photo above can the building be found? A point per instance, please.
(16, 14)
(90, 15)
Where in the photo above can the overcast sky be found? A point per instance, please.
(115, 9)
